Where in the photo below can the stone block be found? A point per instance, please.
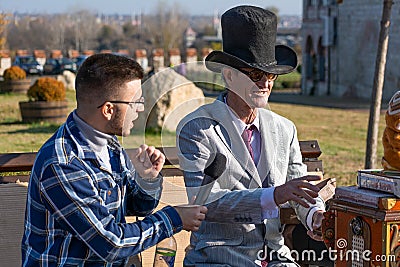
(169, 96)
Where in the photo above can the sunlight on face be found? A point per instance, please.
(126, 114)
(255, 94)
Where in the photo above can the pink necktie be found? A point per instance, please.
(246, 135)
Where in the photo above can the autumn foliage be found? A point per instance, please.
(47, 89)
(14, 73)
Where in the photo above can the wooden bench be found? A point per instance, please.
(12, 164)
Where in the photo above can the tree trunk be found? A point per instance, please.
(373, 125)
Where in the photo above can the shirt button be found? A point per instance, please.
(109, 192)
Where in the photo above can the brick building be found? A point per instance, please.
(340, 41)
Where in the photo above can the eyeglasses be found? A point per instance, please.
(130, 103)
(256, 75)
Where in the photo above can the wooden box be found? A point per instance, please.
(365, 236)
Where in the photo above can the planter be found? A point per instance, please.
(15, 86)
(48, 111)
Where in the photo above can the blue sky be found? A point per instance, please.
(204, 7)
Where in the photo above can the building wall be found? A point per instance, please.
(350, 60)
(358, 34)
(314, 59)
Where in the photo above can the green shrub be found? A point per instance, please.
(299, 69)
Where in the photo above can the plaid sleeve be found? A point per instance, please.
(70, 193)
(142, 197)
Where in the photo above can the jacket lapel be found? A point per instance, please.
(269, 144)
(231, 138)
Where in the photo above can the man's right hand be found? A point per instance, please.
(299, 190)
(191, 216)
(148, 161)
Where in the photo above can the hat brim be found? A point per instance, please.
(286, 61)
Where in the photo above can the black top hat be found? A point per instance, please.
(249, 36)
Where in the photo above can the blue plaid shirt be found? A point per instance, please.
(76, 206)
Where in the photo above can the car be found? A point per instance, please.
(58, 65)
(79, 60)
(29, 64)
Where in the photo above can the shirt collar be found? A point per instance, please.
(239, 124)
(97, 140)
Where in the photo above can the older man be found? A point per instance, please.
(264, 166)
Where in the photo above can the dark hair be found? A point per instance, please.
(101, 76)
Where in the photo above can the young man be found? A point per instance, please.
(264, 166)
(83, 183)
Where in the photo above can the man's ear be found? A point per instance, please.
(227, 74)
(227, 77)
(107, 110)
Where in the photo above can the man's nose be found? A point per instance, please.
(264, 82)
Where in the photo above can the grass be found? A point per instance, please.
(341, 134)
(290, 80)
(16, 136)
(294, 76)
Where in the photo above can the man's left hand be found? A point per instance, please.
(148, 161)
(316, 233)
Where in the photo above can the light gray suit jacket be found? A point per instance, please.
(234, 231)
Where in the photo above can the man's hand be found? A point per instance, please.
(191, 216)
(316, 233)
(297, 190)
(148, 161)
